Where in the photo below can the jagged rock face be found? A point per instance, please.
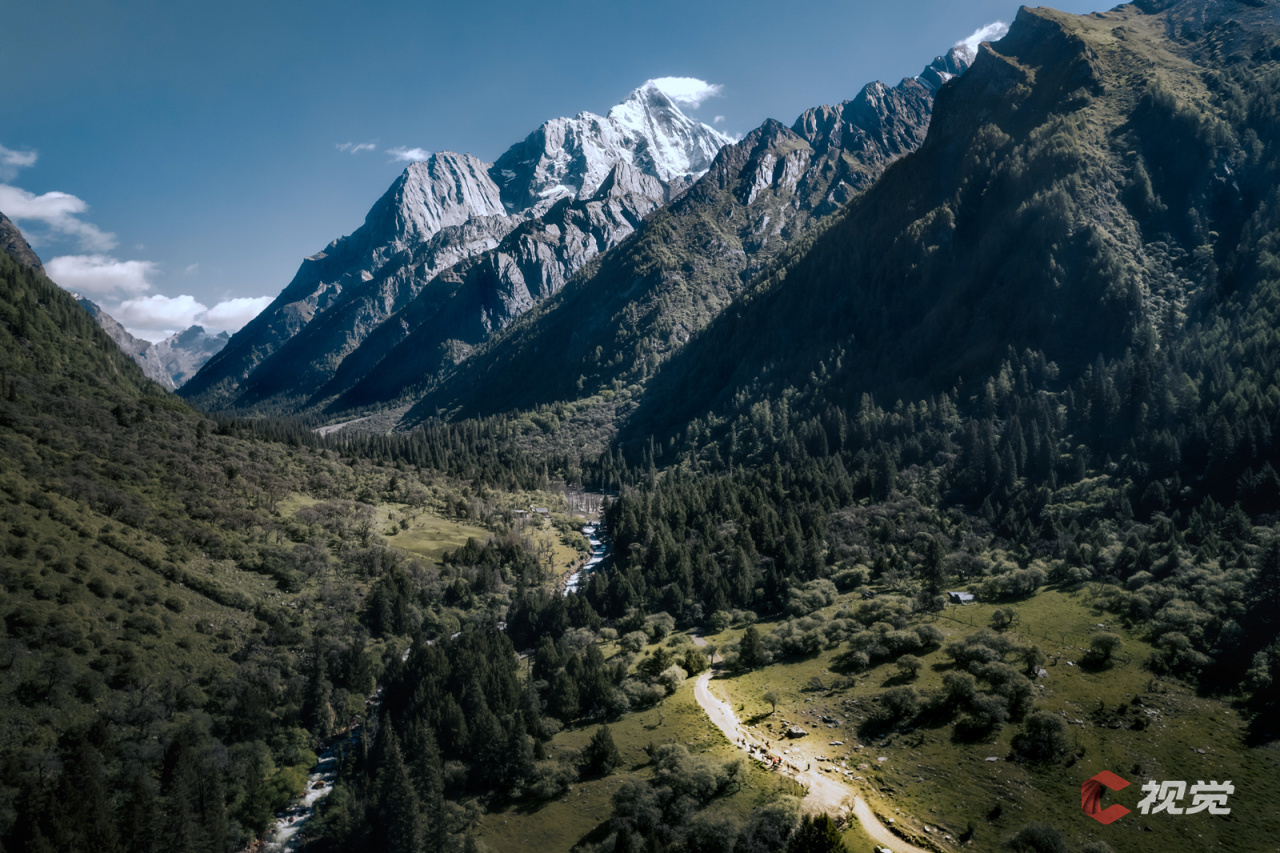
(484, 295)
(641, 304)
(183, 354)
(611, 171)
(16, 246)
(437, 212)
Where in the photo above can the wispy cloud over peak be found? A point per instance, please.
(688, 91)
(408, 155)
(993, 31)
(357, 147)
(156, 317)
(231, 315)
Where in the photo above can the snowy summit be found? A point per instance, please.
(571, 157)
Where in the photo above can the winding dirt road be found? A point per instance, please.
(826, 794)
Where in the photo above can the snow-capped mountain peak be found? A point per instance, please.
(571, 157)
(676, 144)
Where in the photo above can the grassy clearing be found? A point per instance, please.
(560, 824)
(426, 534)
(1120, 719)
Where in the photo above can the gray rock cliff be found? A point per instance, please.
(591, 178)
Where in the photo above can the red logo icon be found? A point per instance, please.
(1091, 797)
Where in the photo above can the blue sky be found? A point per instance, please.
(177, 160)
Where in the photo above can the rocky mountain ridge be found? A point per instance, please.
(1088, 192)
(631, 309)
(611, 170)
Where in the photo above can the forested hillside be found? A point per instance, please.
(192, 608)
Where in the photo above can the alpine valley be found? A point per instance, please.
(903, 478)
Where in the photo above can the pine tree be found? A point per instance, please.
(601, 754)
(400, 825)
(751, 649)
(817, 835)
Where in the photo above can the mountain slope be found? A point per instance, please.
(167, 670)
(1086, 188)
(139, 350)
(449, 209)
(16, 246)
(169, 363)
(446, 208)
(638, 304)
(483, 295)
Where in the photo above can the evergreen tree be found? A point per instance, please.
(751, 649)
(400, 827)
(817, 835)
(601, 754)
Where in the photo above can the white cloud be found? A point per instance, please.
(718, 120)
(11, 161)
(688, 91)
(991, 32)
(57, 210)
(408, 155)
(231, 315)
(100, 275)
(156, 317)
(191, 269)
(356, 147)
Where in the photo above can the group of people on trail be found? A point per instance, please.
(761, 753)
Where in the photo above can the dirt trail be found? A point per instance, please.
(826, 794)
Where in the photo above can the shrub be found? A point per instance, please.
(551, 779)
(909, 666)
(1102, 647)
(1037, 838)
(897, 705)
(1043, 739)
(633, 641)
(671, 678)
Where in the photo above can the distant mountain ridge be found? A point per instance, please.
(611, 171)
(170, 362)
